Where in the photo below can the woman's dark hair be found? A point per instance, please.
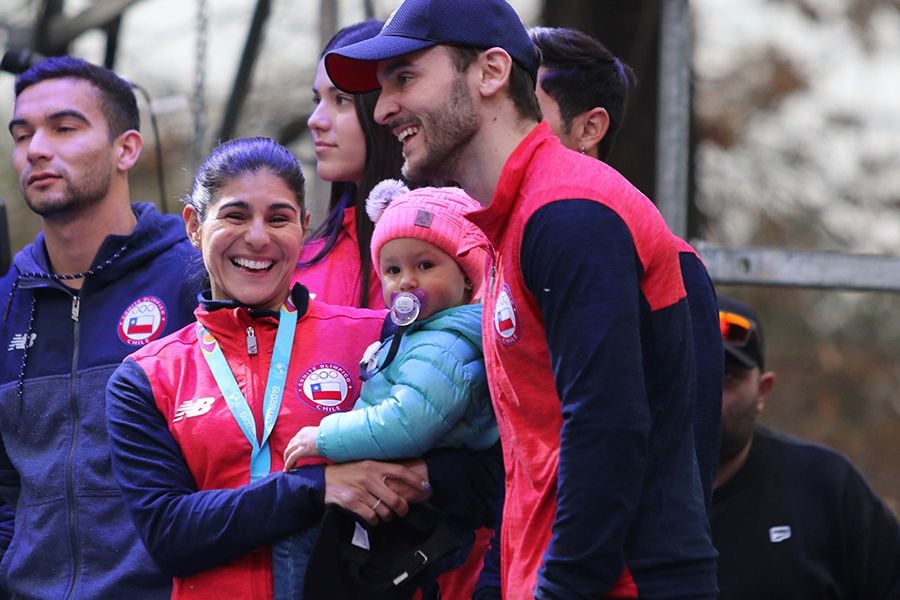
(384, 159)
(242, 156)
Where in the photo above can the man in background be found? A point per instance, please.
(790, 518)
(583, 90)
(102, 278)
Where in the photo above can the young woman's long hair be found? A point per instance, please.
(384, 159)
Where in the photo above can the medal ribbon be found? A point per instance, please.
(260, 459)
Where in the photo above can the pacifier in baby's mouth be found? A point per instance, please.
(406, 306)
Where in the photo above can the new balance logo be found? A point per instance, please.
(779, 534)
(193, 408)
(18, 341)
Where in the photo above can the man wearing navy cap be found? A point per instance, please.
(791, 519)
(586, 332)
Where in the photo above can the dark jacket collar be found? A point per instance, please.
(299, 296)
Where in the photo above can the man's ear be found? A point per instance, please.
(591, 127)
(496, 66)
(128, 148)
(766, 383)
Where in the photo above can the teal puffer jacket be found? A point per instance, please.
(433, 394)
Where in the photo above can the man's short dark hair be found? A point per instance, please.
(580, 73)
(117, 100)
(521, 85)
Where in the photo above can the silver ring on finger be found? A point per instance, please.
(377, 504)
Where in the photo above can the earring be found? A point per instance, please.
(195, 243)
(581, 149)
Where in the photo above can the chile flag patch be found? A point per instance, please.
(143, 321)
(326, 387)
(506, 318)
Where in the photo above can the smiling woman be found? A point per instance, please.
(252, 234)
(199, 420)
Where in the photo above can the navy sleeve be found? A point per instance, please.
(468, 486)
(7, 525)
(586, 280)
(184, 529)
(9, 494)
(872, 544)
(7, 528)
(487, 587)
(709, 358)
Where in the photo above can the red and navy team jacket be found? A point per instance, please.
(590, 362)
(184, 463)
(709, 358)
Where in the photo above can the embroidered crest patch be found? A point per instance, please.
(143, 321)
(326, 387)
(506, 318)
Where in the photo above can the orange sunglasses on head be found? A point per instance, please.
(735, 328)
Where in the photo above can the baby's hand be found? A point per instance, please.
(302, 445)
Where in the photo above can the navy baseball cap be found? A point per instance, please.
(419, 24)
(742, 334)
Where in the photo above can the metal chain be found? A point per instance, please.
(198, 100)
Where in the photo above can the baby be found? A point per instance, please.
(425, 385)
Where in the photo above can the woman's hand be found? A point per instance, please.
(302, 445)
(376, 491)
(412, 494)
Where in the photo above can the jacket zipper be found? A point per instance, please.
(493, 278)
(252, 347)
(253, 353)
(73, 446)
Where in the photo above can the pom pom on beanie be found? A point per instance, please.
(381, 195)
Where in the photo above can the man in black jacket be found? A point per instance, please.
(790, 518)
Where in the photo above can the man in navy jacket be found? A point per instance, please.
(102, 278)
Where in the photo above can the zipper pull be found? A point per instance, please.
(76, 306)
(252, 348)
(493, 277)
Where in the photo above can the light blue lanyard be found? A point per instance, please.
(260, 459)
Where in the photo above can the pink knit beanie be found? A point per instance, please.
(435, 215)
